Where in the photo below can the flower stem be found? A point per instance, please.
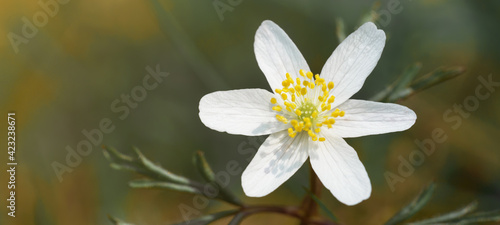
(305, 213)
(309, 206)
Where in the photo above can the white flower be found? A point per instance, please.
(308, 116)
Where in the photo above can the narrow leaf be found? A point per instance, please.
(340, 29)
(449, 216)
(431, 79)
(322, 205)
(114, 155)
(203, 167)
(117, 221)
(382, 95)
(121, 161)
(371, 15)
(238, 218)
(404, 81)
(208, 174)
(160, 171)
(490, 216)
(414, 206)
(436, 77)
(162, 184)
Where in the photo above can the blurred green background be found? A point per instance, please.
(64, 79)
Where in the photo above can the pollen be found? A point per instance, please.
(307, 105)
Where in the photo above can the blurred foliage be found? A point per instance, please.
(91, 52)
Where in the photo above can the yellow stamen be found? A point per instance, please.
(282, 119)
(297, 88)
(309, 75)
(306, 114)
(301, 72)
(330, 85)
(331, 100)
(303, 91)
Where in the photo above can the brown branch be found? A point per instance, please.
(292, 211)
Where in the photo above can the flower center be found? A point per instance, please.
(306, 104)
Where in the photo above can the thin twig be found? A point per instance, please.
(292, 211)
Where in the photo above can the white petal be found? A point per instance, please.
(367, 118)
(353, 60)
(279, 157)
(340, 170)
(277, 55)
(247, 112)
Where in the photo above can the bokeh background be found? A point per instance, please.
(92, 51)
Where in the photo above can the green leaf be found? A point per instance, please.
(116, 221)
(395, 91)
(208, 174)
(238, 218)
(403, 82)
(449, 216)
(114, 155)
(371, 15)
(160, 171)
(414, 206)
(227, 195)
(143, 166)
(202, 165)
(162, 178)
(162, 184)
(405, 85)
(120, 161)
(340, 28)
(322, 205)
(436, 77)
(489, 216)
(208, 218)
(382, 95)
